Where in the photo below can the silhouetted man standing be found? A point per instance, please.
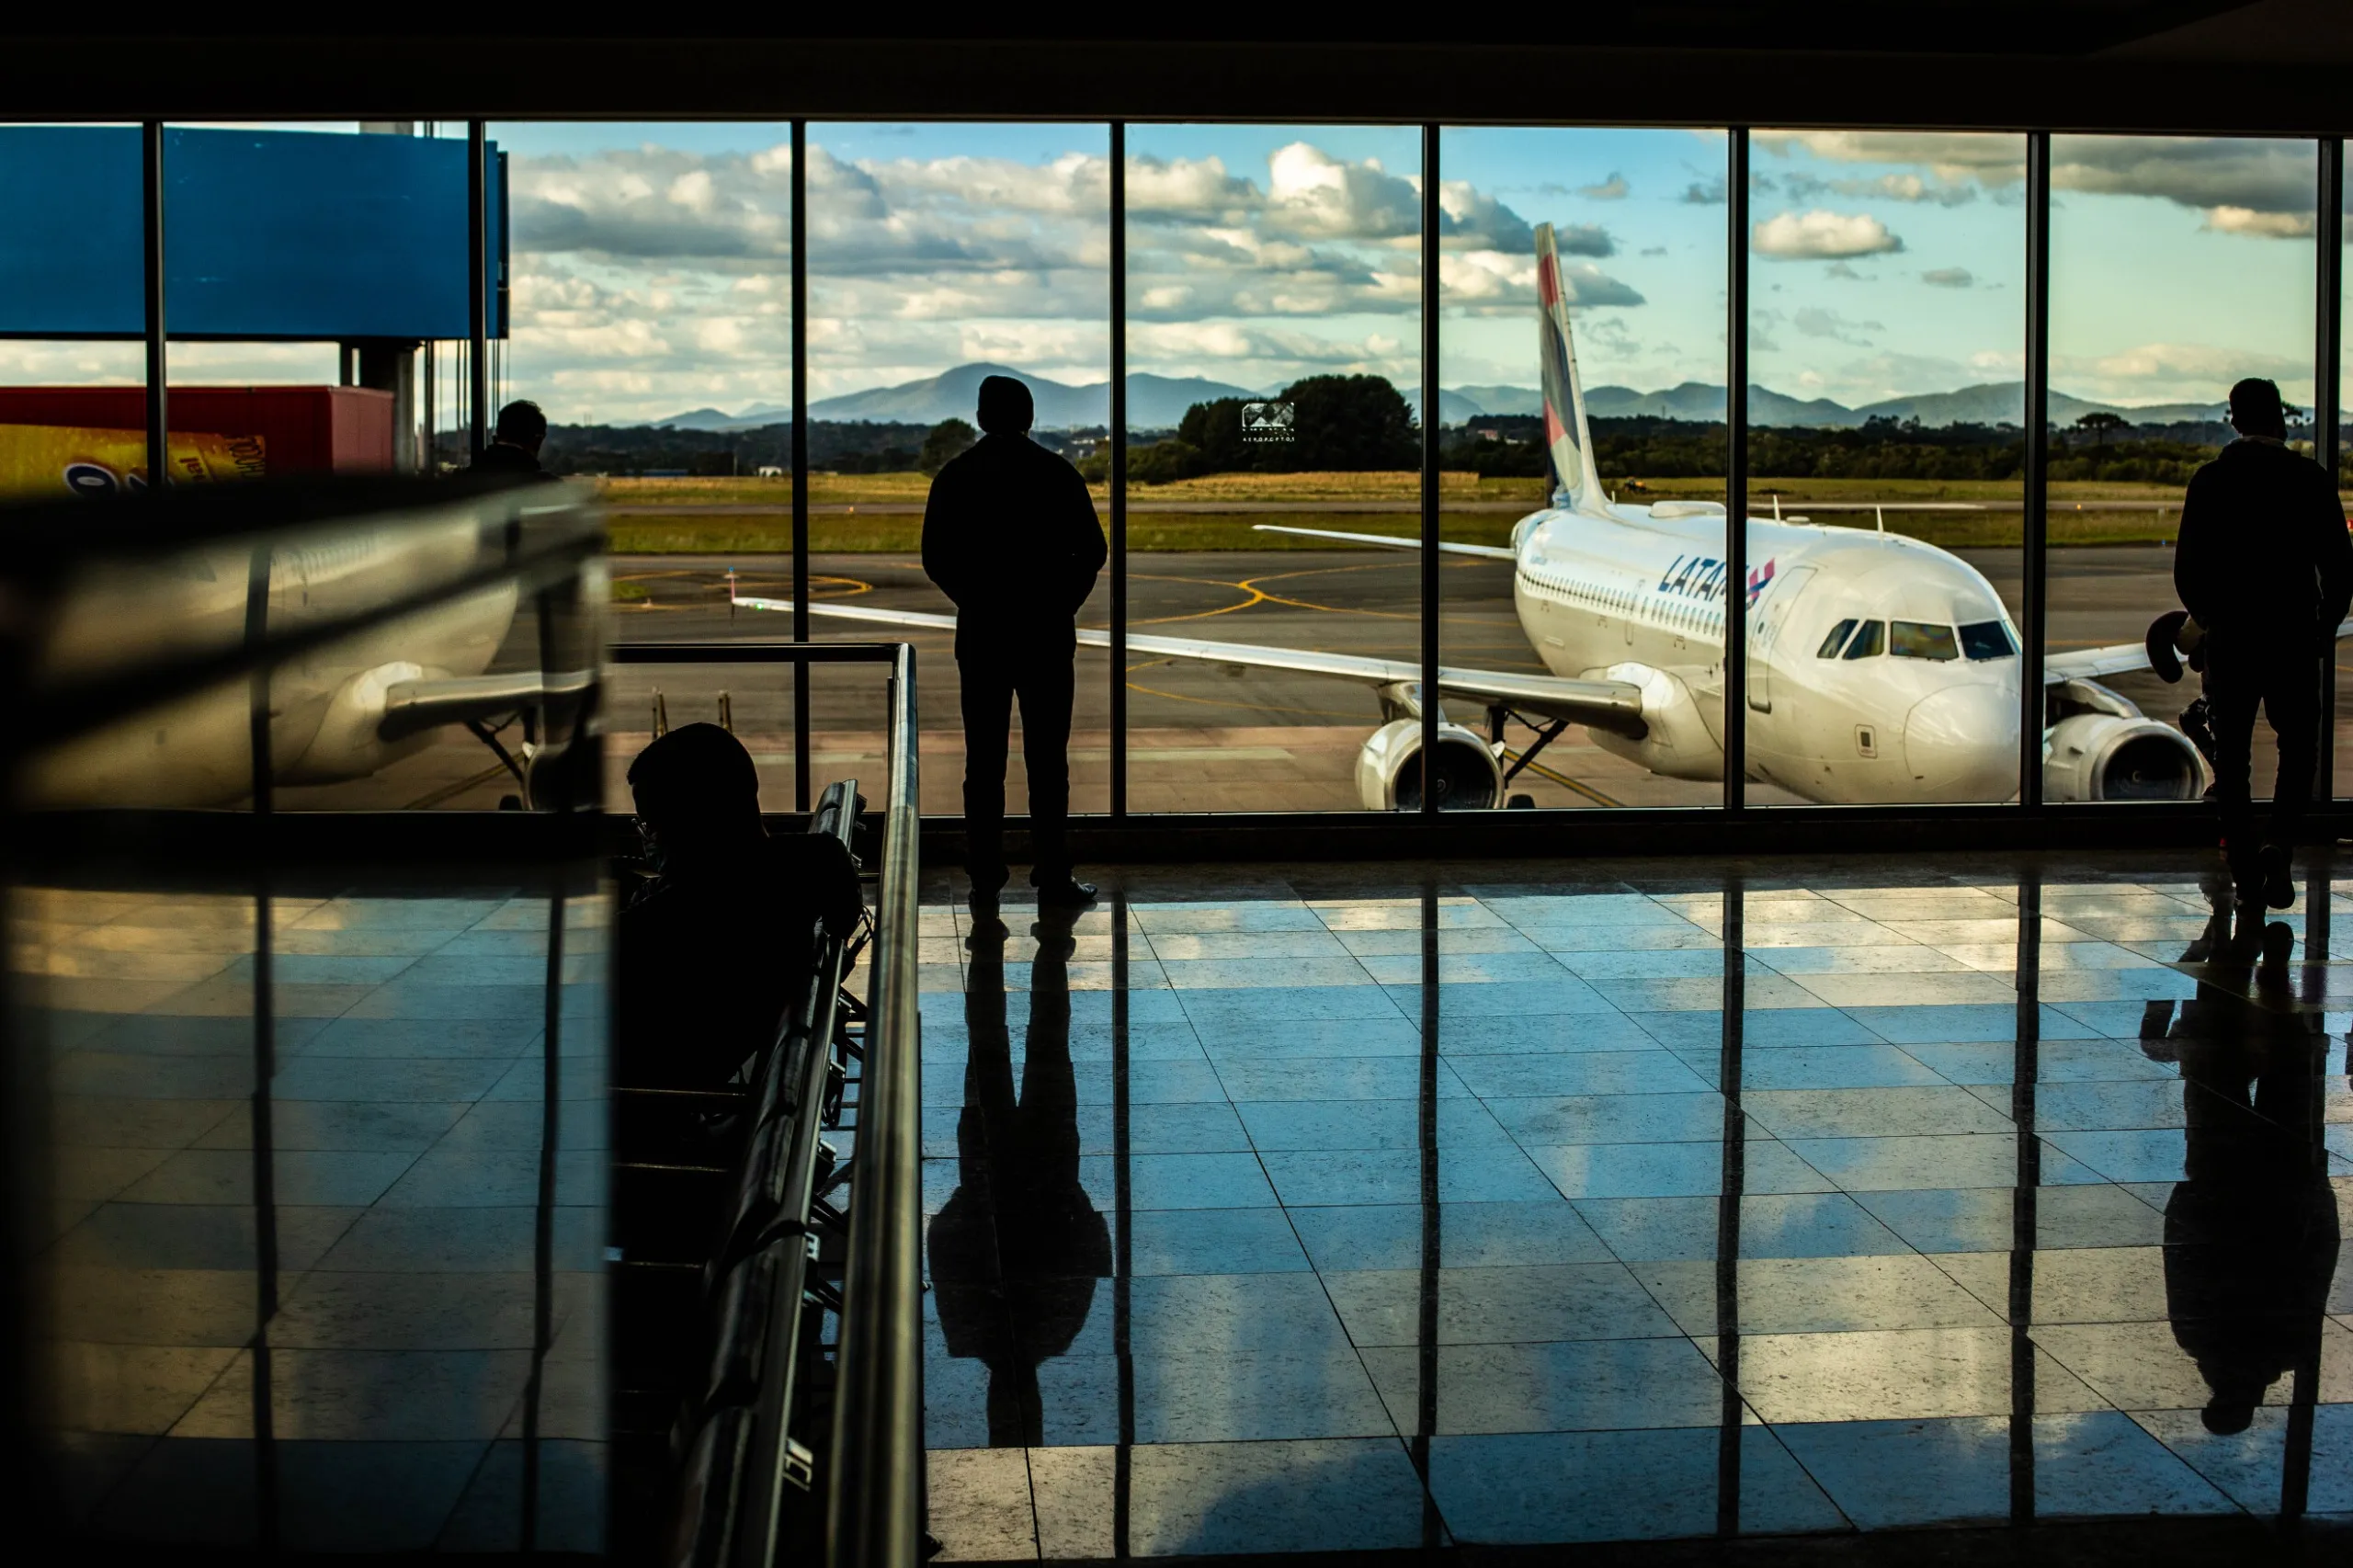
(2264, 564)
(1010, 536)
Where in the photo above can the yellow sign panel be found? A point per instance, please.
(49, 460)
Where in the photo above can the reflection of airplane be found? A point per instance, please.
(1880, 668)
(337, 712)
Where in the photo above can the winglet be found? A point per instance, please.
(1569, 443)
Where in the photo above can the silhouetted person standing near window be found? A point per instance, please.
(515, 443)
(2264, 564)
(1010, 536)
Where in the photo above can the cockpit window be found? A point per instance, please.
(1922, 640)
(1870, 643)
(1835, 641)
(1987, 640)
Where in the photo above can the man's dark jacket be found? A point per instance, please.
(2263, 555)
(1009, 534)
(508, 460)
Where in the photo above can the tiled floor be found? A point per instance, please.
(342, 1341)
(1331, 1207)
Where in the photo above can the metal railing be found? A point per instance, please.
(870, 1474)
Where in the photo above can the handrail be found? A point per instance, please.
(874, 1515)
(874, 1475)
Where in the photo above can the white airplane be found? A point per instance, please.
(1880, 669)
(340, 711)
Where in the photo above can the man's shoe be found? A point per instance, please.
(2278, 887)
(1066, 892)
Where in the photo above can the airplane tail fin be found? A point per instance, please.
(1576, 480)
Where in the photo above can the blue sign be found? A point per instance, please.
(267, 235)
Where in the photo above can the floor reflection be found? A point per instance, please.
(2251, 1233)
(1016, 1250)
(1537, 1204)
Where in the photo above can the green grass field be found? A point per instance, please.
(643, 524)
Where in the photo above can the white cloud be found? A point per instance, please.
(2187, 372)
(649, 278)
(2272, 182)
(2229, 220)
(1614, 188)
(1949, 277)
(1821, 234)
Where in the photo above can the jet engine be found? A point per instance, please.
(1388, 769)
(2106, 756)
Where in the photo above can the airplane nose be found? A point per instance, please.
(1961, 744)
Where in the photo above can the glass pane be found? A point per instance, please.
(72, 367)
(2177, 267)
(1616, 580)
(1885, 413)
(1274, 305)
(939, 256)
(649, 307)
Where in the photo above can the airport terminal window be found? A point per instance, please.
(940, 255)
(649, 306)
(1886, 335)
(1635, 225)
(2178, 264)
(1273, 300)
(72, 402)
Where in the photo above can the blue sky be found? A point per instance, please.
(651, 267)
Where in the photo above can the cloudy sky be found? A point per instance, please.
(652, 262)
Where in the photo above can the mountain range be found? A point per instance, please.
(1157, 403)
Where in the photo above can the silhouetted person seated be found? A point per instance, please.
(515, 443)
(1009, 534)
(2264, 564)
(721, 939)
(1017, 1249)
(2251, 1233)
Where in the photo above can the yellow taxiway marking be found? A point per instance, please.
(1563, 780)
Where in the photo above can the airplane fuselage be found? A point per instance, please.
(1880, 668)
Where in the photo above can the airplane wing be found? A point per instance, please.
(1615, 706)
(1390, 541)
(2122, 658)
(413, 705)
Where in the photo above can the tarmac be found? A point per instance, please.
(1201, 738)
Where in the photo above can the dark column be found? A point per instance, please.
(2328, 274)
(801, 459)
(1732, 1188)
(477, 289)
(1116, 435)
(2026, 1071)
(1430, 216)
(159, 447)
(2037, 475)
(389, 364)
(1735, 681)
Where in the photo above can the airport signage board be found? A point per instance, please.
(267, 235)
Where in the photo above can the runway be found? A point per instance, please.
(1199, 737)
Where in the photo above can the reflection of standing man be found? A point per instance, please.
(2264, 564)
(2251, 1230)
(1009, 534)
(1020, 1230)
